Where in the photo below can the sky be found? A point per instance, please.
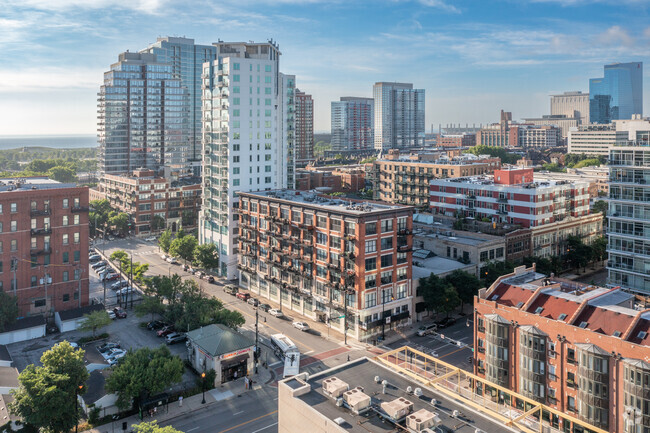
(473, 57)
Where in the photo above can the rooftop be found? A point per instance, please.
(31, 183)
(218, 339)
(76, 313)
(437, 265)
(462, 237)
(488, 180)
(466, 159)
(350, 206)
(362, 373)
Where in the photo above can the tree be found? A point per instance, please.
(466, 285)
(599, 248)
(153, 427)
(206, 256)
(62, 174)
(143, 373)
(45, 398)
(180, 234)
(99, 214)
(433, 289)
(119, 256)
(150, 305)
(8, 310)
(183, 247)
(120, 221)
(157, 222)
(493, 270)
(500, 152)
(165, 240)
(94, 321)
(450, 300)
(139, 270)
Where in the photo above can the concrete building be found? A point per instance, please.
(564, 122)
(598, 178)
(322, 256)
(511, 195)
(405, 179)
(459, 140)
(186, 61)
(142, 116)
(249, 133)
(571, 105)
(539, 136)
(44, 240)
(634, 126)
(331, 178)
(304, 124)
(618, 95)
(352, 123)
(174, 202)
(595, 139)
(550, 239)
(399, 115)
(629, 217)
(579, 349)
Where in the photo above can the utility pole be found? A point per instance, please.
(257, 347)
(383, 311)
(79, 295)
(345, 316)
(131, 280)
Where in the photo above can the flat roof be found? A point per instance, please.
(437, 265)
(31, 183)
(465, 238)
(362, 373)
(488, 180)
(350, 206)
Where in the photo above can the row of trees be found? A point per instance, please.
(62, 170)
(135, 269)
(183, 303)
(187, 248)
(444, 295)
(105, 216)
(8, 310)
(506, 158)
(576, 255)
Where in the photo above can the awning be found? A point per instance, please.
(226, 363)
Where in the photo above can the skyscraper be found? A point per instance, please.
(399, 115)
(571, 105)
(352, 124)
(186, 60)
(248, 135)
(618, 95)
(142, 116)
(304, 121)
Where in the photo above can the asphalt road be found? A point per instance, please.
(251, 412)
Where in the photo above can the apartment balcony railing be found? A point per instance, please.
(43, 231)
(39, 212)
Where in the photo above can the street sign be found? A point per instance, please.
(341, 317)
(387, 320)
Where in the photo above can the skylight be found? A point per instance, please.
(562, 316)
(583, 325)
(642, 335)
(617, 333)
(539, 310)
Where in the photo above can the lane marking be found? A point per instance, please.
(264, 428)
(192, 429)
(237, 413)
(307, 353)
(451, 353)
(248, 422)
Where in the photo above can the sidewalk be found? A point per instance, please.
(193, 403)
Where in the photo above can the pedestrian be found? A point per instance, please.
(235, 375)
(180, 401)
(246, 383)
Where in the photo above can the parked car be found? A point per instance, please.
(198, 274)
(120, 313)
(174, 338)
(112, 352)
(172, 260)
(186, 267)
(447, 321)
(111, 314)
(264, 307)
(119, 284)
(243, 296)
(230, 289)
(101, 269)
(275, 312)
(155, 325)
(254, 302)
(210, 279)
(164, 256)
(111, 277)
(105, 271)
(94, 258)
(107, 346)
(427, 329)
(115, 359)
(150, 239)
(301, 325)
(99, 264)
(125, 291)
(111, 238)
(165, 330)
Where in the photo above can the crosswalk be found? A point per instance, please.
(145, 253)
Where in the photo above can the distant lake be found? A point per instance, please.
(54, 141)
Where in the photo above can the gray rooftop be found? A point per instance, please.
(31, 183)
(362, 373)
(218, 339)
(437, 265)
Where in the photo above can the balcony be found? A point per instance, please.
(46, 250)
(79, 209)
(404, 232)
(38, 212)
(43, 231)
(502, 200)
(404, 248)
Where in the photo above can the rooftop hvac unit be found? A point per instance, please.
(357, 400)
(398, 408)
(422, 419)
(334, 387)
(455, 414)
(339, 421)
(417, 392)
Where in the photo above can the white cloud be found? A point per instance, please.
(31, 80)
(646, 32)
(145, 6)
(615, 36)
(440, 4)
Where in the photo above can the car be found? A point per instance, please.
(110, 353)
(164, 256)
(115, 359)
(243, 296)
(165, 330)
(111, 277)
(150, 239)
(107, 346)
(198, 274)
(99, 264)
(111, 238)
(186, 267)
(120, 313)
(94, 258)
(264, 307)
(275, 312)
(254, 302)
(174, 338)
(210, 279)
(230, 289)
(103, 271)
(301, 325)
(427, 329)
(118, 284)
(447, 321)
(111, 314)
(172, 260)
(155, 325)
(100, 269)
(125, 291)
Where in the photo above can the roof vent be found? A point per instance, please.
(339, 421)
(562, 316)
(583, 325)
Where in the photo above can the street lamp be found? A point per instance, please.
(76, 407)
(203, 386)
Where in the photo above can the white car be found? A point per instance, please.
(163, 256)
(126, 290)
(114, 359)
(172, 260)
(301, 325)
(111, 314)
(150, 238)
(113, 353)
(275, 312)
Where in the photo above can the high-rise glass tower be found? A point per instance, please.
(186, 61)
(629, 217)
(248, 135)
(142, 116)
(618, 95)
(304, 122)
(352, 124)
(399, 115)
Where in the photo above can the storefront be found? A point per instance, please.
(218, 347)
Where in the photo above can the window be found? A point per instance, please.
(371, 246)
(66, 297)
(387, 243)
(66, 257)
(34, 281)
(65, 239)
(65, 203)
(235, 182)
(39, 303)
(14, 226)
(65, 276)
(371, 281)
(34, 243)
(14, 245)
(13, 207)
(335, 242)
(370, 299)
(386, 226)
(65, 220)
(401, 291)
(371, 228)
(386, 260)
(77, 274)
(401, 274)
(371, 264)
(76, 220)
(321, 238)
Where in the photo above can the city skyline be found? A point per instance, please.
(471, 59)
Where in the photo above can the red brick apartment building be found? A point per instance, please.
(460, 140)
(306, 251)
(44, 244)
(580, 349)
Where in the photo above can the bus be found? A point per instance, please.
(286, 350)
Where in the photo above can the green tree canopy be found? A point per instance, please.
(165, 240)
(600, 206)
(119, 256)
(153, 427)
(120, 221)
(433, 291)
(144, 372)
(183, 247)
(506, 158)
(94, 321)
(206, 256)
(493, 270)
(157, 222)
(466, 285)
(8, 310)
(62, 174)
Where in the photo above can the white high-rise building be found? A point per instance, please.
(248, 133)
(399, 115)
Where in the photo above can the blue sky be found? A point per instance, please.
(473, 57)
